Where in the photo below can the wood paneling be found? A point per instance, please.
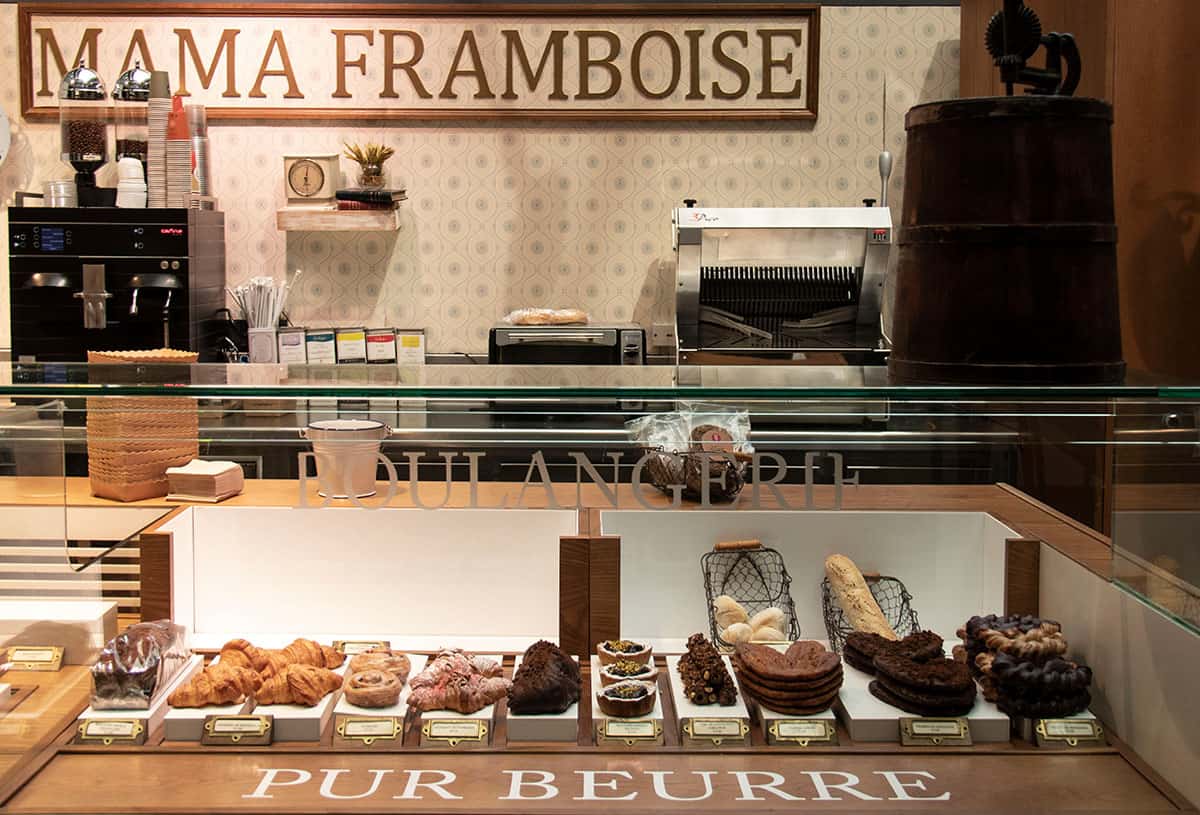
(1021, 575)
(574, 591)
(605, 590)
(156, 575)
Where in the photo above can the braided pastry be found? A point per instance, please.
(398, 665)
(1058, 677)
(298, 685)
(373, 688)
(1036, 644)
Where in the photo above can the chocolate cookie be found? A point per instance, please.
(800, 709)
(862, 647)
(789, 684)
(783, 694)
(805, 659)
(1047, 707)
(883, 694)
(855, 660)
(929, 699)
(942, 675)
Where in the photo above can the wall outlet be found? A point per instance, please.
(663, 335)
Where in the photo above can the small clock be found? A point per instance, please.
(310, 180)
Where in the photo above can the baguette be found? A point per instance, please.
(855, 598)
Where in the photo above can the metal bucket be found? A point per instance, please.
(347, 451)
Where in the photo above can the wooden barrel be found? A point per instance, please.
(1006, 270)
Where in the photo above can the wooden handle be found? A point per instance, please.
(725, 546)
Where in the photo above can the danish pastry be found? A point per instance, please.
(372, 688)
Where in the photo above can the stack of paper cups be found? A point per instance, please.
(179, 157)
(156, 159)
(198, 130)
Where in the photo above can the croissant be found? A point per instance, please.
(242, 654)
(221, 683)
(298, 684)
(300, 652)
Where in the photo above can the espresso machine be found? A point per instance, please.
(91, 279)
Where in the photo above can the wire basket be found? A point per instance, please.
(756, 578)
(667, 469)
(894, 600)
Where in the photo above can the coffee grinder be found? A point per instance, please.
(83, 119)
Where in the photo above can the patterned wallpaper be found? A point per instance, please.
(502, 216)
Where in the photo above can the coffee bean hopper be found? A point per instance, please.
(84, 109)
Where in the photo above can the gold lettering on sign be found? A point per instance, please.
(723, 59)
(390, 66)
(138, 40)
(467, 44)
(636, 64)
(587, 62)
(770, 62)
(293, 91)
(360, 62)
(554, 49)
(50, 48)
(226, 46)
(693, 37)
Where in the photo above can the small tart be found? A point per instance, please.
(610, 651)
(628, 699)
(625, 669)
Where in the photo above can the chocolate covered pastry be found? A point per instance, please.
(628, 699)
(610, 651)
(706, 680)
(394, 663)
(372, 688)
(460, 681)
(136, 665)
(936, 687)
(862, 647)
(547, 681)
(803, 680)
(624, 669)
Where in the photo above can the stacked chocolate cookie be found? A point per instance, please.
(861, 648)
(1021, 666)
(801, 681)
(935, 687)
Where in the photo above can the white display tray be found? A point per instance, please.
(187, 723)
(300, 723)
(80, 627)
(344, 710)
(544, 726)
(710, 725)
(599, 718)
(870, 719)
(151, 718)
(486, 717)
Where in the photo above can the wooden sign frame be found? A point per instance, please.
(809, 12)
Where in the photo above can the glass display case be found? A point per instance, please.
(673, 531)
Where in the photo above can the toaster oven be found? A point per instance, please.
(567, 345)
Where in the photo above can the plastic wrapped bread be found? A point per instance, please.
(137, 664)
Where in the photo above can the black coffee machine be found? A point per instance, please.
(105, 279)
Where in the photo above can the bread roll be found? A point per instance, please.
(769, 618)
(728, 611)
(855, 598)
(768, 634)
(738, 632)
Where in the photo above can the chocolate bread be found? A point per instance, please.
(547, 681)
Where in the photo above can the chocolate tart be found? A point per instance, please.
(627, 700)
(625, 669)
(610, 651)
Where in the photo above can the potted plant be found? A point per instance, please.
(370, 159)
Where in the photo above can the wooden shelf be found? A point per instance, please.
(332, 220)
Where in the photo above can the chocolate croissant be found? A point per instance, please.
(221, 683)
(298, 684)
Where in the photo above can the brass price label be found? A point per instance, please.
(111, 731)
(455, 731)
(245, 729)
(935, 731)
(35, 657)
(352, 647)
(369, 729)
(1069, 732)
(630, 731)
(802, 732)
(715, 731)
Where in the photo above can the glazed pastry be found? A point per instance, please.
(610, 651)
(459, 681)
(298, 684)
(624, 669)
(547, 681)
(706, 680)
(396, 664)
(728, 611)
(738, 632)
(854, 596)
(221, 683)
(373, 688)
(627, 699)
(768, 618)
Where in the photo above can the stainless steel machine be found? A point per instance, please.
(778, 283)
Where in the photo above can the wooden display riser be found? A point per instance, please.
(185, 777)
